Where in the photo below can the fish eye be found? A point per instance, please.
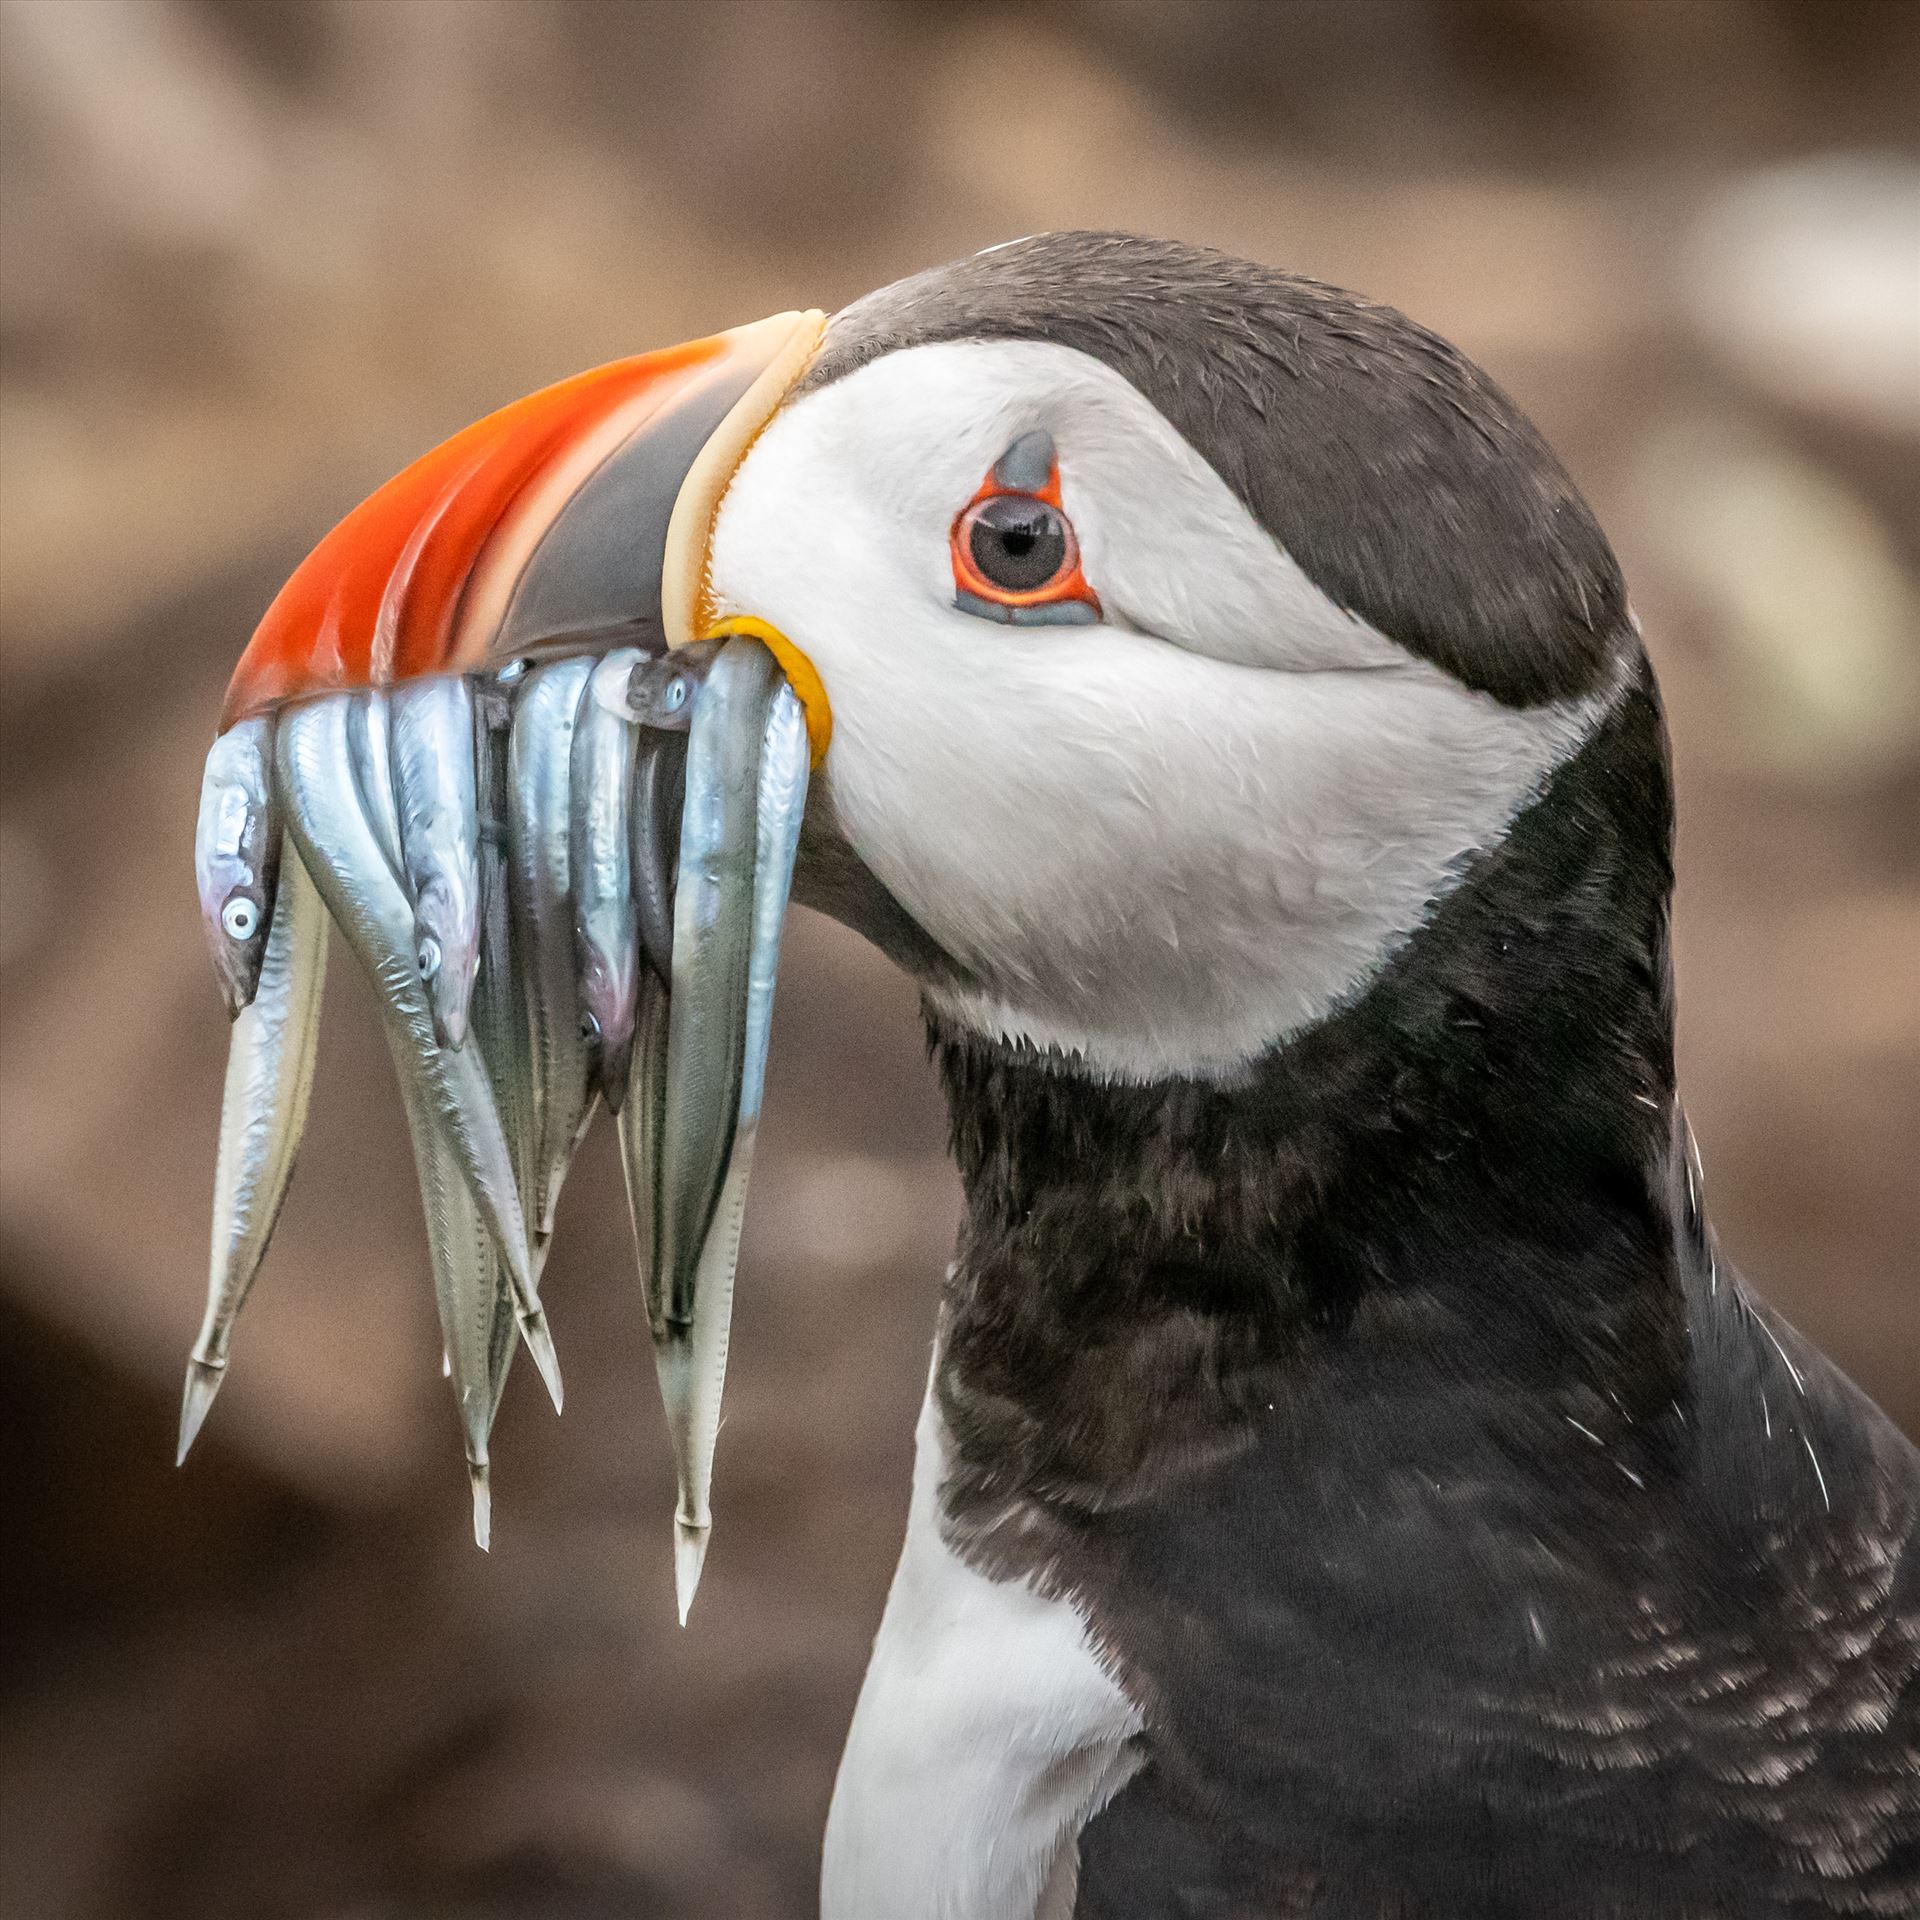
(660, 694)
(1018, 543)
(427, 956)
(240, 917)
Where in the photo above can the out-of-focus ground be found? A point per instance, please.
(257, 254)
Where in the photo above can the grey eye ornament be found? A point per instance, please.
(1016, 557)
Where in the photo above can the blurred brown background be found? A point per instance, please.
(257, 254)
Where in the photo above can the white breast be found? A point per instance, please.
(987, 1734)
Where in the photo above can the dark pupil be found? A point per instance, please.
(1018, 543)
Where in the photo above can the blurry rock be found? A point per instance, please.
(1807, 279)
(1800, 587)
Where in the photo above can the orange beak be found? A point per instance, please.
(572, 521)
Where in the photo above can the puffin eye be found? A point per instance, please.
(1015, 556)
(1017, 543)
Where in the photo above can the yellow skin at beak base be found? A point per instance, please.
(801, 674)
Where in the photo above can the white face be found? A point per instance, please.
(1164, 841)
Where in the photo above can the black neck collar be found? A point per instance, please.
(1467, 1167)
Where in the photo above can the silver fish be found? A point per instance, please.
(747, 773)
(712, 941)
(370, 752)
(236, 852)
(262, 1116)
(539, 829)
(500, 1027)
(642, 1122)
(465, 1292)
(451, 1241)
(660, 697)
(600, 868)
(432, 748)
(331, 829)
(500, 1017)
(659, 774)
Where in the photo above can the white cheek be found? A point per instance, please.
(1174, 876)
(1145, 853)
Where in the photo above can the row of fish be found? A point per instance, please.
(566, 882)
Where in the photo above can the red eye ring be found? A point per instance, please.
(1015, 555)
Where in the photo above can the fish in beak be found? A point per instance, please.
(262, 1116)
(492, 729)
(745, 796)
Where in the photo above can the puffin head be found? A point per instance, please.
(1138, 644)
(1185, 627)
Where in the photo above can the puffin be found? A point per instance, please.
(1351, 1480)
